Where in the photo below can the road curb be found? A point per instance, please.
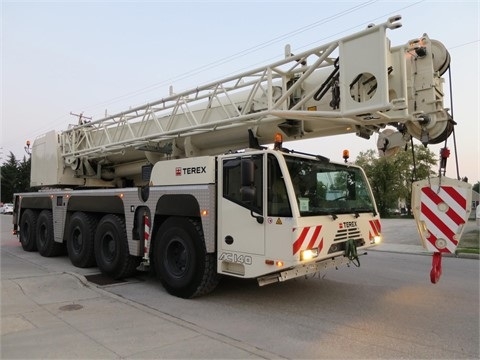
(260, 353)
(468, 256)
(425, 253)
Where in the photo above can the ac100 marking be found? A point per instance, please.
(240, 259)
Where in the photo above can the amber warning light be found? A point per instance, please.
(278, 141)
(346, 155)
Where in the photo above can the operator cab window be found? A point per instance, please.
(278, 203)
(236, 185)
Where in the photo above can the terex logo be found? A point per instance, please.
(190, 170)
(347, 224)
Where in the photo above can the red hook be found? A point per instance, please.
(436, 271)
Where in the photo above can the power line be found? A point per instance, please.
(232, 57)
(307, 46)
(464, 44)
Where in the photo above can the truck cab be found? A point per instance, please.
(279, 211)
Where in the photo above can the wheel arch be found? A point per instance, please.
(185, 205)
(93, 205)
(179, 205)
(109, 204)
(36, 204)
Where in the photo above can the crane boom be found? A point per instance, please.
(357, 84)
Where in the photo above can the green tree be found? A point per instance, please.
(9, 174)
(409, 172)
(476, 187)
(15, 177)
(383, 179)
(23, 175)
(391, 177)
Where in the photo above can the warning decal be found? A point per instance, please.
(441, 212)
(308, 238)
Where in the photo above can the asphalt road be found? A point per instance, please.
(387, 308)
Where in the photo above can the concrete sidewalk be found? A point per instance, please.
(417, 250)
(401, 236)
(401, 248)
(61, 315)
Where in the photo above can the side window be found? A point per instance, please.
(278, 204)
(235, 187)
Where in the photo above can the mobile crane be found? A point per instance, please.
(188, 187)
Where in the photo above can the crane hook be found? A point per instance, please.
(436, 271)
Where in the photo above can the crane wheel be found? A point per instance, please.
(181, 262)
(28, 231)
(46, 244)
(111, 248)
(80, 239)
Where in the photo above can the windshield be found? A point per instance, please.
(323, 188)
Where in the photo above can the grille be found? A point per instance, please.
(348, 233)
(342, 236)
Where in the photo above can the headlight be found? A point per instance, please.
(308, 254)
(377, 239)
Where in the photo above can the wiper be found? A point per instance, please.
(319, 213)
(363, 210)
(318, 157)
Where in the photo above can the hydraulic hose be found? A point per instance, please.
(351, 252)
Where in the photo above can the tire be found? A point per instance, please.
(80, 240)
(111, 248)
(46, 244)
(180, 259)
(28, 231)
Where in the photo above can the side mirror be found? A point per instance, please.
(248, 177)
(248, 172)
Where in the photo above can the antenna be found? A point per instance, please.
(81, 118)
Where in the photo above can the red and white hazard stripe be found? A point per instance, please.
(146, 236)
(375, 228)
(308, 238)
(443, 212)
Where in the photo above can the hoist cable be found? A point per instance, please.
(453, 131)
(414, 172)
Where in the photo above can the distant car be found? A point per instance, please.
(7, 208)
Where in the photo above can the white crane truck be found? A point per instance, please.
(186, 186)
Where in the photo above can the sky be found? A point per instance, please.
(59, 57)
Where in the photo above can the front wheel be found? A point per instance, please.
(184, 267)
(111, 248)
